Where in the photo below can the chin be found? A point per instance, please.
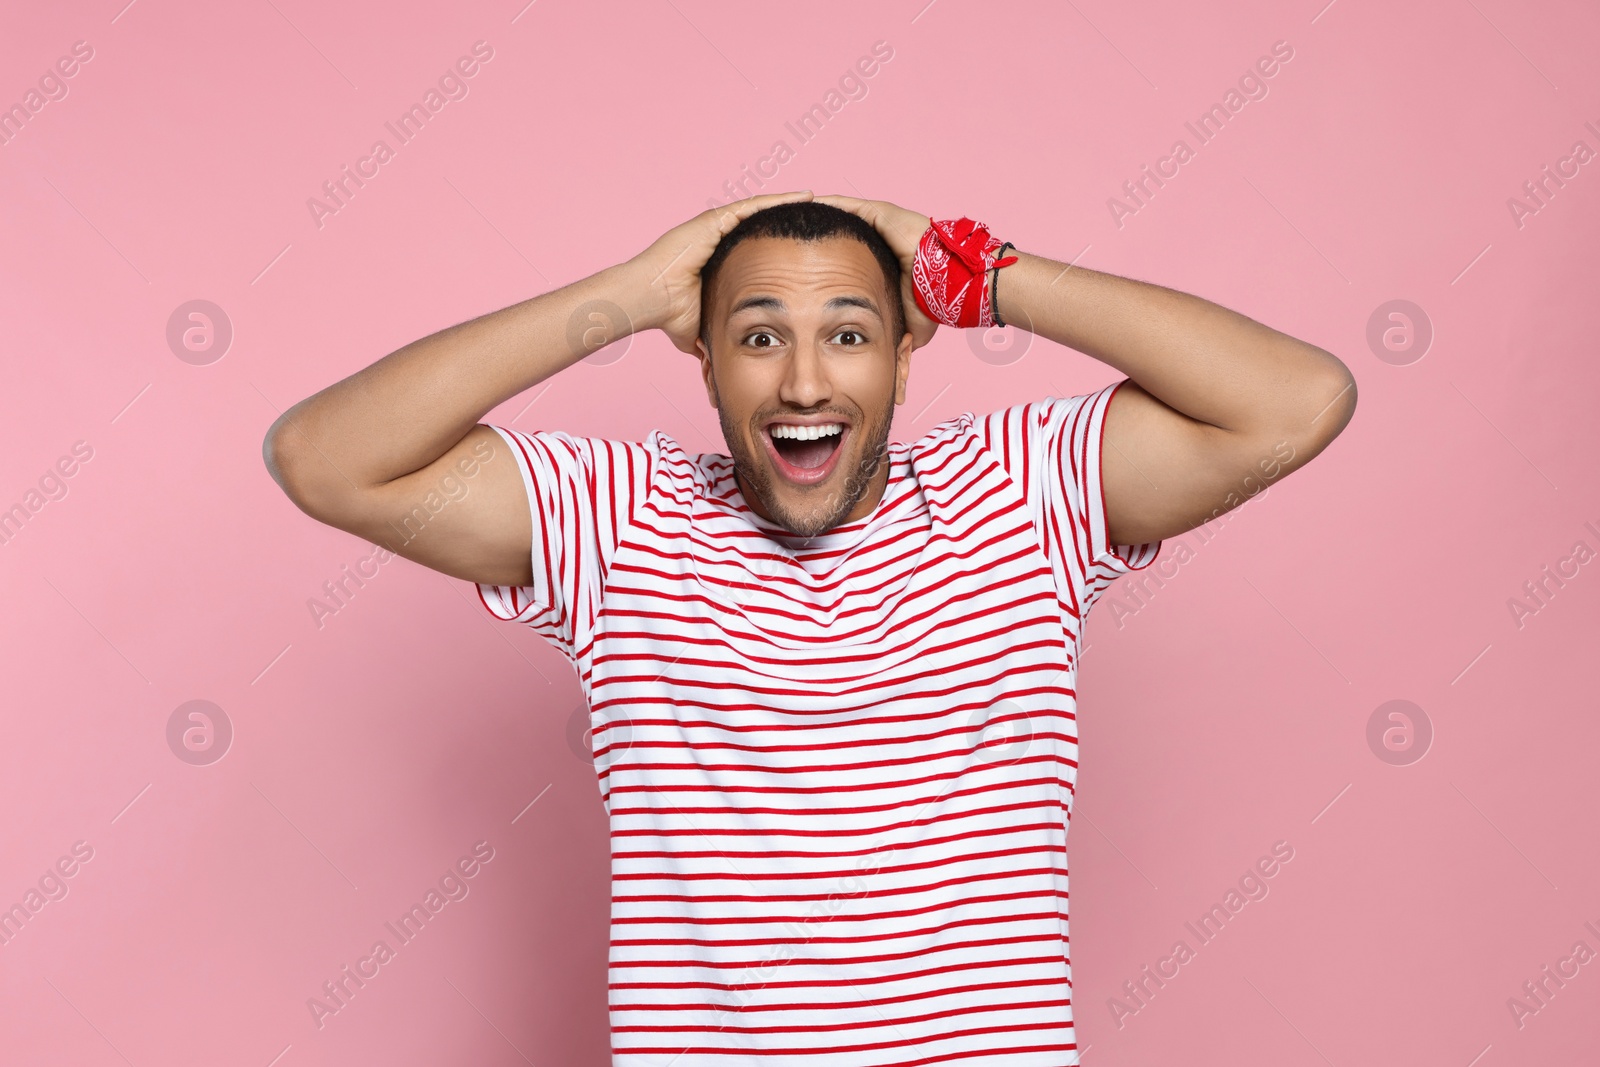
(808, 522)
(809, 511)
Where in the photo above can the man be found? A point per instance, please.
(831, 677)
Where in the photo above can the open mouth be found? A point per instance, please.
(804, 461)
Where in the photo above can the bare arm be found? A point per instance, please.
(365, 453)
(376, 453)
(1216, 404)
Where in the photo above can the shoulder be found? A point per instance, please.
(1040, 421)
(1005, 430)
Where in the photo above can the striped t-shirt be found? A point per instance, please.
(838, 771)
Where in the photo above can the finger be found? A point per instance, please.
(793, 194)
(756, 203)
(730, 216)
(869, 211)
(884, 217)
(866, 209)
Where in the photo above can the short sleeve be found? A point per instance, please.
(1052, 449)
(582, 495)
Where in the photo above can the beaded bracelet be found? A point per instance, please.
(994, 284)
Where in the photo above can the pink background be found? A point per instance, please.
(1226, 713)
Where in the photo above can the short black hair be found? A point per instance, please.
(805, 220)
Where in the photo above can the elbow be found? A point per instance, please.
(272, 456)
(281, 456)
(1321, 399)
(275, 456)
(1336, 391)
(1320, 404)
(1328, 403)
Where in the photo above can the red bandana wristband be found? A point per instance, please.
(950, 273)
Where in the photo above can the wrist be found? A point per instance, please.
(955, 270)
(629, 285)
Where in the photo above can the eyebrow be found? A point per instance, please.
(772, 303)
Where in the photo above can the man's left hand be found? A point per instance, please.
(903, 230)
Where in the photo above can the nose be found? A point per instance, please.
(805, 380)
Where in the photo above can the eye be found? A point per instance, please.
(758, 333)
(860, 337)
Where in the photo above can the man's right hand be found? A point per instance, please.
(671, 266)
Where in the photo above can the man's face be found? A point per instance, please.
(800, 335)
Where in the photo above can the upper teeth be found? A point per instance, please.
(806, 433)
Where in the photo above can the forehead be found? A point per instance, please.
(800, 272)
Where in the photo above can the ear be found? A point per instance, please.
(705, 371)
(902, 367)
